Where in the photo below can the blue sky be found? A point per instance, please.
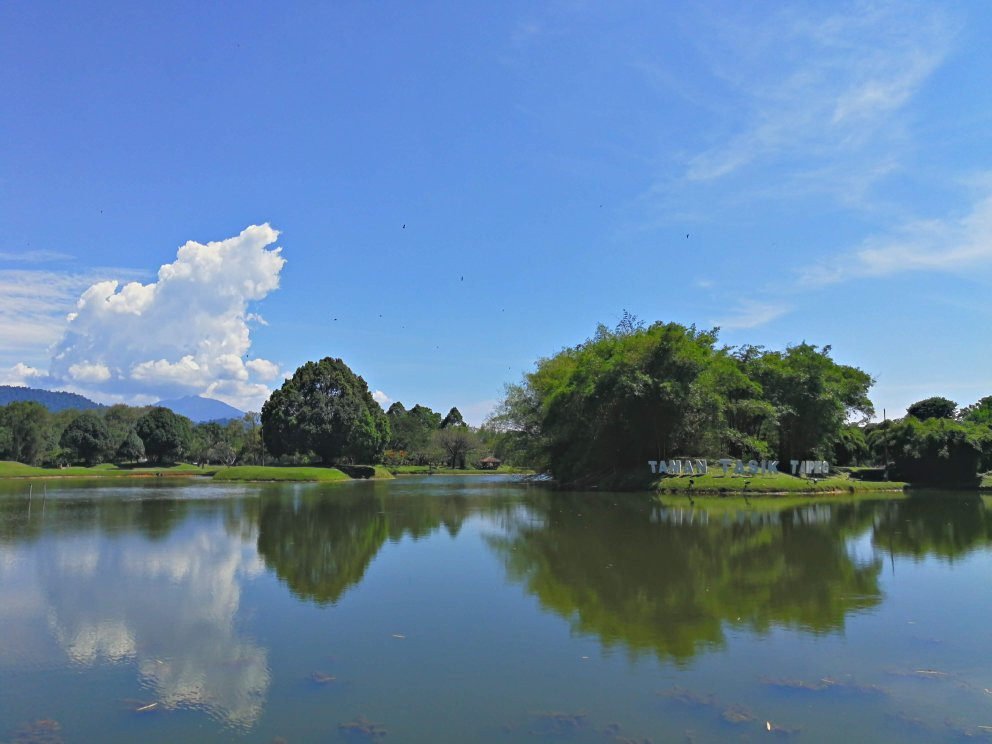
(815, 171)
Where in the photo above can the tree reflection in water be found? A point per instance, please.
(669, 581)
(320, 544)
(947, 527)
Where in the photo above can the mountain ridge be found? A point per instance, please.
(200, 409)
(53, 400)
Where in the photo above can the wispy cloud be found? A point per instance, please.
(751, 314)
(34, 304)
(951, 244)
(816, 89)
(34, 256)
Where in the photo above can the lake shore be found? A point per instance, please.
(777, 484)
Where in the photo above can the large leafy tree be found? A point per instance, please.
(25, 432)
(327, 409)
(411, 430)
(935, 407)
(166, 435)
(623, 397)
(456, 442)
(131, 449)
(87, 438)
(812, 396)
(935, 450)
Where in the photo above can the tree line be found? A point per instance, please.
(609, 404)
(122, 434)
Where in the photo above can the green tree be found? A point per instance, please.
(633, 394)
(132, 449)
(166, 436)
(851, 446)
(87, 438)
(456, 442)
(121, 420)
(624, 397)
(454, 418)
(931, 408)
(411, 431)
(980, 412)
(25, 432)
(327, 409)
(252, 447)
(813, 397)
(516, 424)
(935, 450)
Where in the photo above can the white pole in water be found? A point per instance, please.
(30, 493)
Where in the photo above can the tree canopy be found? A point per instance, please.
(931, 408)
(637, 393)
(166, 435)
(327, 409)
(87, 438)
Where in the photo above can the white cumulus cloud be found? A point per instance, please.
(381, 398)
(21, 375)
(186, 333)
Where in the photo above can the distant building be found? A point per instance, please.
(489, 463)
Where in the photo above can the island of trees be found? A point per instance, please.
(601, 408)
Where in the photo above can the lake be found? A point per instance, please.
(478, 609)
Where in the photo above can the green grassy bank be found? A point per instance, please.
(268, 473)
(9, 469)
(718, 484)
(290, 474)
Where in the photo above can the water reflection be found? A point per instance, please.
(150, 579)
(122, 584)
(320, 546)
(671, 581)
(947, 527)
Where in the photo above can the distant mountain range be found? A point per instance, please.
(52, 400)
(194, 407)
(200, 409)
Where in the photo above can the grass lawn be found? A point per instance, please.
(718, 483)
(10, 469)
(275, 473)
(780, 483)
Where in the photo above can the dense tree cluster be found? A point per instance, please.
(121, 434)
(938, 444)
(638, 393)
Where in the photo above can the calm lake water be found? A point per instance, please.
(478, 610)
